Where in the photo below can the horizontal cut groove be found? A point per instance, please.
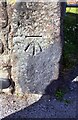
(33, 36)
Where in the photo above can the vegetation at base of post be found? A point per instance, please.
(70, 52)
(59, 95)
(66, 101)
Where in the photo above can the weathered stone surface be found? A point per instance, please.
(5, 65)
(3, 14)
(36, 46)
(5, 71)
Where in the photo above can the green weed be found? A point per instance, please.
(59, 95)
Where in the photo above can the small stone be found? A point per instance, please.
(4, 83)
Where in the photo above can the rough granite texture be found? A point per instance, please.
(34, 39)
(16, 107)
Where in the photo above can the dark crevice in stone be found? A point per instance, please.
(33, 36)
(1, 47)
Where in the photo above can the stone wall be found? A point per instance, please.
(34, 45)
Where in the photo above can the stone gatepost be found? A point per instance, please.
(36, 50)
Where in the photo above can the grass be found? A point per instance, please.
(72, 10)
(70, 53)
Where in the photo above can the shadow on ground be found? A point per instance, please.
(48, 106)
